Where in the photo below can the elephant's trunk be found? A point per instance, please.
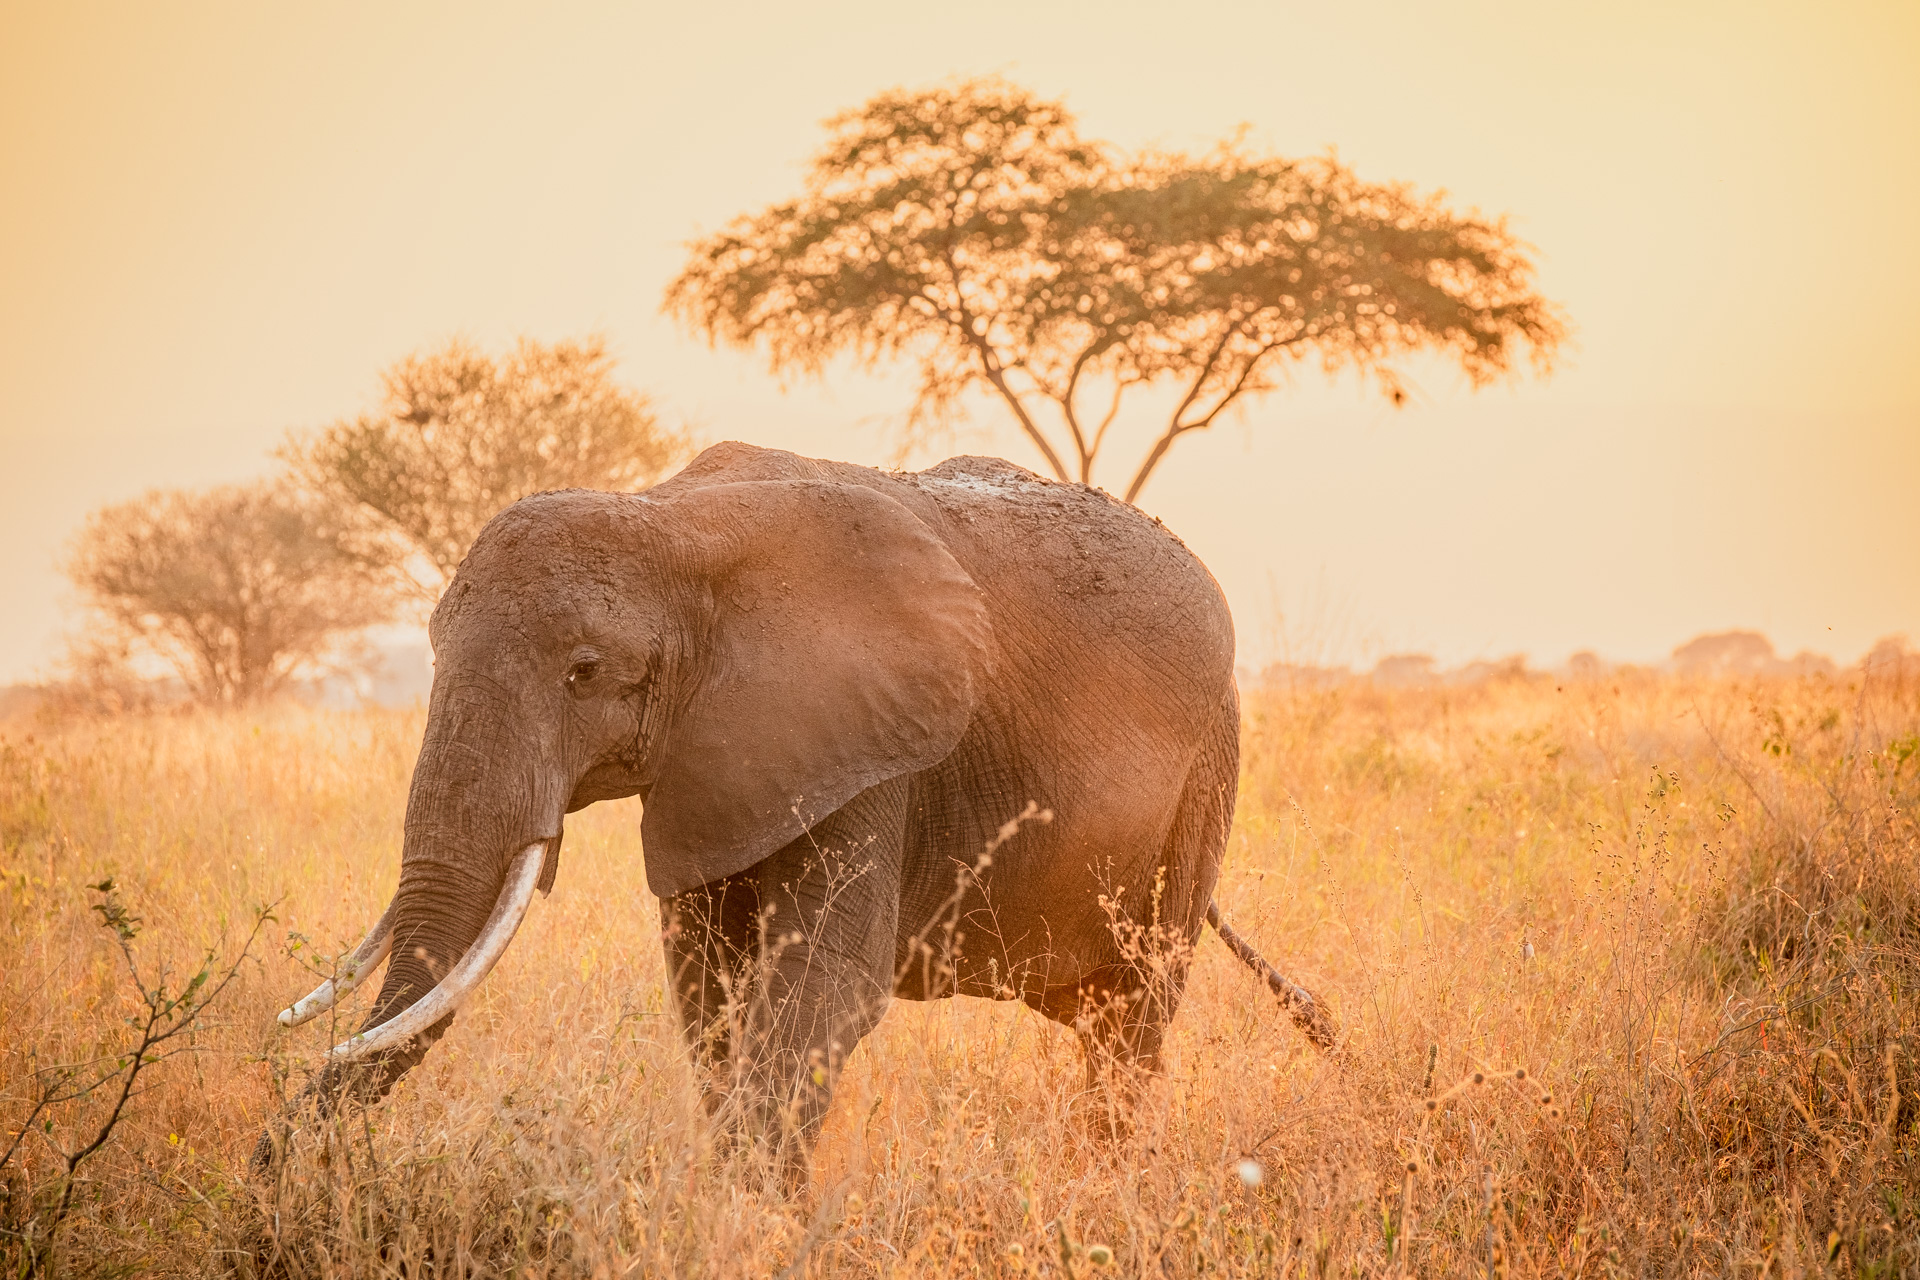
(441, 950)
(388, 1030)
(484, 812)
(452, 923)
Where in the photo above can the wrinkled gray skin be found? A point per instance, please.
(832, 686)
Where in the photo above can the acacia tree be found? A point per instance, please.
(459, 434)
(239, 589)
(970, 229)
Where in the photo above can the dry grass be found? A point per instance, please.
(1689, 912)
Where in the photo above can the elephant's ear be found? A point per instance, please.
(845, 647)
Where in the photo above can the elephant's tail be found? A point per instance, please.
(1308, 1013)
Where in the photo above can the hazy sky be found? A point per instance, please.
(218, 221)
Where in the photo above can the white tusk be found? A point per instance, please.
(353, 970)
(451, 991)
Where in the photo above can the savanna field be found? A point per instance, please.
(1627, 969)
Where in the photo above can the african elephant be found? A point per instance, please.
(836, 691)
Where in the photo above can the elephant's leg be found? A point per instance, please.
(829, 909)
(709, 935)
(1121, 1011)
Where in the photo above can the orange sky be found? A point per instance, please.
(218, 221)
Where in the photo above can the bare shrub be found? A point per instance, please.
(76, 1107)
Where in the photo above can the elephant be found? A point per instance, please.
(963, 731)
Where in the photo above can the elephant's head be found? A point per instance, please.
(746, 657)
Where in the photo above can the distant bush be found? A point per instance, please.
(1745, 653)
(237, 590)
(239, 593)
(460, 434)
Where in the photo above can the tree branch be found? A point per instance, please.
(1120, 386)
(168, 1016)
(990, 366)
(1200, 379)
(1174, 428)
(1073, 419)
(1178, 428)
(1240, 383)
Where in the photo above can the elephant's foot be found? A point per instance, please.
(266, 1152)
(1119, 1024)
(787, 1122)
(716, 1087)
(1106, 1108)
(771, 1130)
(1105, 1115)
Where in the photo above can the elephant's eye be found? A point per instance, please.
(582, 673)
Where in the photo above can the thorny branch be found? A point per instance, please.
(165, 1017)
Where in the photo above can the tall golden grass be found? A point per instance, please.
(1627, 970)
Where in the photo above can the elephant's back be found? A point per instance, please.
(1079, 572)
(1081, 585)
